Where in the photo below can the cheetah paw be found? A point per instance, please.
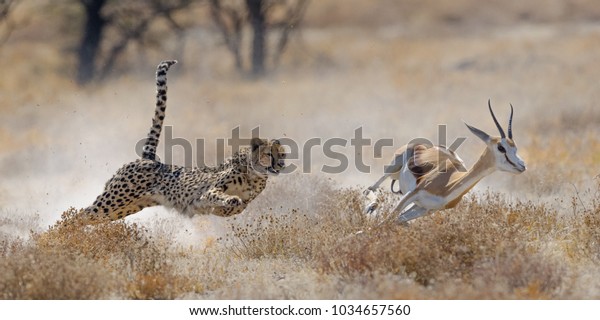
(234, 201)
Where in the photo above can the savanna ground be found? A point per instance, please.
(395, 68)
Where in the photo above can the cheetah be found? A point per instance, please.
(224, 190)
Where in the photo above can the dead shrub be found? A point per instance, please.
(75, 260)
(447, 245)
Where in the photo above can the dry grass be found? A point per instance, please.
(75, 261)
(486, 248)
(535, 236)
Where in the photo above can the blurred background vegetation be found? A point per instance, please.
(97, 38)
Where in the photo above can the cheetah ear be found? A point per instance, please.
(275, 142)
(255, 143)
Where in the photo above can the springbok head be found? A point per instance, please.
(503, 148)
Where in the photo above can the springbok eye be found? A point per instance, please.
(501, 148)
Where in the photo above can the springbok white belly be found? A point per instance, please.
(430, 201)
(407, 180)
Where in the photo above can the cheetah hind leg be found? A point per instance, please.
(112, 210)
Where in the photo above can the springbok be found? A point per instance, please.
(434, 178)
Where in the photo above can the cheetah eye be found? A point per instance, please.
(501, 148)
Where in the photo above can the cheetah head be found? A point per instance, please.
(268, 157)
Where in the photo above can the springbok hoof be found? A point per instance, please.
(371, 207)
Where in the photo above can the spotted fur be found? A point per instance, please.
(149, 151)
(224, 190)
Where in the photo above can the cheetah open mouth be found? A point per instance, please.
(273, 170)
(275, 167)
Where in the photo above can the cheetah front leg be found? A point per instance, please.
(218, 198)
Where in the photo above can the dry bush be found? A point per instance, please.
(487, 247)
(481, 234)
(585, 227)
(31, 273)
(520, 273)
(101, 241)
(302, 228)
(73, 260)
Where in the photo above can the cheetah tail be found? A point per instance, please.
(149, 150)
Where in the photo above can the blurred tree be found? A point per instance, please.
(7, 26)
(129, 21)
(90, 42)
(256, 14)
(263, 16)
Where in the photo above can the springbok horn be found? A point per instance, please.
(496, 121)
(510, 122)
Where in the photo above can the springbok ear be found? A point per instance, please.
(480, 134)
(255, 143)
